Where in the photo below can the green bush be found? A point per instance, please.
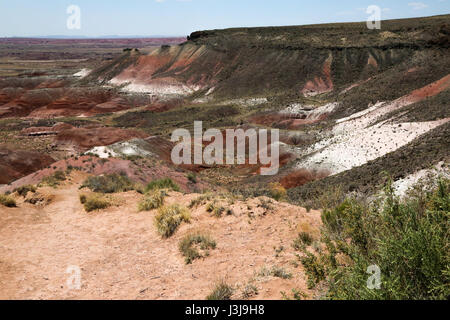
(111, 183)
(162, 184)
(222, 291)
(54, 180)
(153, 200)
(7, 201)
(23, 190)
(189, 246)
(303, 239)
(277, 191)
(192, 177)
(407, 239)
(169, 218)
(95, 202)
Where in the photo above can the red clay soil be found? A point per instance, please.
(48, 100)
(86, 138)
(302, 177)
(431, 90)
(15, 164)
(121, 255)
(138, 172)
(42, 130)
(421, 94)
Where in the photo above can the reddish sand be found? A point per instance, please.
(121, 256)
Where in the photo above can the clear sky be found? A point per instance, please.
(181, 17)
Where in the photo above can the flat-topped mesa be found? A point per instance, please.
(308, 61)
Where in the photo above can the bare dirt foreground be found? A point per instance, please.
(121, 255)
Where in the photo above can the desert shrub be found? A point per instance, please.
(23, 190)
(200, 200)
(280, 273)
(210, 206)
(221, 291)
(191, 245)
(162, 184)
(54, 180)
(152, 200)
(111, 183)
(274, 272)
(94, 202)
(303, 239)
(407, 239)
(169, 218)
(83, 198)
(327, 198)
(217, 210)
(277, 191)
(314, 269)
(249, 291)
(192, 177)
(296, 294)
(7, 201)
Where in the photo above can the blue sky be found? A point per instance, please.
(181, 17)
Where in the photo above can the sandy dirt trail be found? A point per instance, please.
(121, 256)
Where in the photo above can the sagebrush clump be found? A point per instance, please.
(7, 201)
(152, 200)
(169, 218)
(23, 190)
(167, 184)
(94, 202)
(221, 291)
(111, 183)
(196, 246)
(277, 191)
(54, 180)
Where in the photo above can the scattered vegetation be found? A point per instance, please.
(111, 183)
(54, 180)
(407, 239)
(23, 190)
(192, 177)
(94, 202)
(152, 200)
(222, 291)
(217, 210)
(191, 245)
(280, 273)
(169, 218)
(201, 200)
(296, 294)
(249, 291)
(7, 201)
(162, 184)
(277, 191)
(275, 271)
(303, 239)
